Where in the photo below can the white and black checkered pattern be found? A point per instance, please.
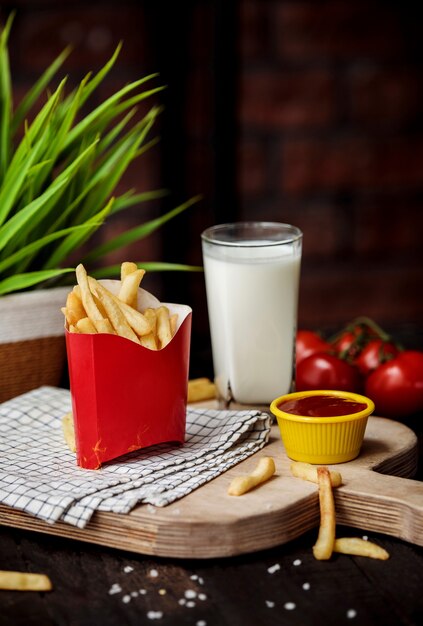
(38, 473)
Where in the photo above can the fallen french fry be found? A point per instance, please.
(128, 292)
(360, 547)
(163, 326)
(264, 470)
(323, 548)
(22, 581)
(201, 389)
(199, 381)
(126, 268)
(69, 431)
(306, 471)
(102, 325)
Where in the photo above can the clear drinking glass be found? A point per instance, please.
(252, 272)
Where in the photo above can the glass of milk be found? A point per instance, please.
(252, 272)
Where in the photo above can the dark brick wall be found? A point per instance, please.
(331, 139)
(323, 130)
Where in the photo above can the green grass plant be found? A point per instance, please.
(59, 173)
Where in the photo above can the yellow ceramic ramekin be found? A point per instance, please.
(324, 440)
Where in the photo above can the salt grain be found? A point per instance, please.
(351, 613)
(126, 599)
(201, 622)
(202, 596)
(115, 588)
(190, 594)
(289, 606)
(128, 569)
(153, 573)
(162, 592)
(270, 604)
(134, 594)
(143, 591)
(297, 562)
(306, 586)
(190, 604)
(273, 568)
(155, 614)
(182, 601)
(365, 537)
(194, 577)
(200, 581)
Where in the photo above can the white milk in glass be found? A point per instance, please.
(252, 295)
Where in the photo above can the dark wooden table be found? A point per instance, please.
(237, 591)
(96, 586)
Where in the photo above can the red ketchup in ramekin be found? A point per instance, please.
(322, 426)
(321, 406)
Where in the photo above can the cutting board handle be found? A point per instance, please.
(382, 503)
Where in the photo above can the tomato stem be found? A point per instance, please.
(362, 321)
(373, 325)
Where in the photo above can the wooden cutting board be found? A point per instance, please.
(377, 495)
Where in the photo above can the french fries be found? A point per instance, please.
(114, 313)
(264, 470)
(74, 308)
(306, 471)
(326, 541)
(22, 581)
(127, 268)
(85, 325)
(323, 548)
(69, 431)
(102, 324)
(201, 389)
(149, 341)
(360, 547)
(91, 308)
(129, 287)
(163, 326)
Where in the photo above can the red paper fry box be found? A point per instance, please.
(125, 396)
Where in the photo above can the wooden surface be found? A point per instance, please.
(209, 523)
(239, 591)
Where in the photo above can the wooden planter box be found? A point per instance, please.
(32, 343)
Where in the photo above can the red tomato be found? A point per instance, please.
(374, 354)
(350, 342)
(309, 343)
(344, 342)
(326, 371)
(396, 387)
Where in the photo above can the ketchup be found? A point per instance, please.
(321, 406)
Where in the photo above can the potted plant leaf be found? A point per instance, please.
(59, 170)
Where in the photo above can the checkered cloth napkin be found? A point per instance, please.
(38, 474)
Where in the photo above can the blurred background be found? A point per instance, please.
(306, 112)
